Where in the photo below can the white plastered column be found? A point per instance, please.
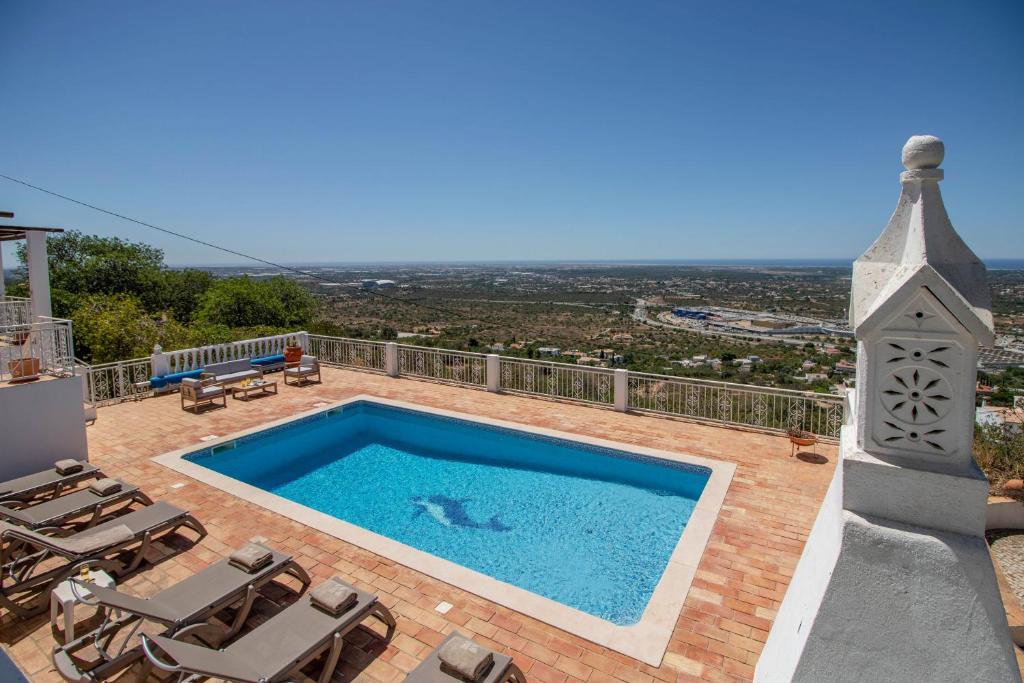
(38, 273)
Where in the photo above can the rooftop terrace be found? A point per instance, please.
(742, 577)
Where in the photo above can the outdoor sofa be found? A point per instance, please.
(232, 371)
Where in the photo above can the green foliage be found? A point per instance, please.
(999, 451)
(248, 302)
(111, 327)
(177, 292)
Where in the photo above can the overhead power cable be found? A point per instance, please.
(234, 252)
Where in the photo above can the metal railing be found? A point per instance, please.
(762, 408)
(765, 408)
(109, 383)
(558, 380)
(349, 353)
(45, 347)
(15, 310)
(443, 365)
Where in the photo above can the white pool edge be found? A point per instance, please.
(646, 640)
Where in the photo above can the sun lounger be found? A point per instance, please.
(32, 564)
(46, 484)
(183, 609)
(56, 511)
(433, 670)
(278, 648)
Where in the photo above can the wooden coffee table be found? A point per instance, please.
(242, 393)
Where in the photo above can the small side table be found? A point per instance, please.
(62, 599)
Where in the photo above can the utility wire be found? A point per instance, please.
(355, 288)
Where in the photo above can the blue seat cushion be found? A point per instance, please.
(173, 378)
(269, 360)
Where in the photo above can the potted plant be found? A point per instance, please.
(292, 355)
(799, 438)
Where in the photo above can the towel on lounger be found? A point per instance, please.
(105, 486)
(115, 535)
(333, 596)
(465, 659)
(67, 466)
(251, 557)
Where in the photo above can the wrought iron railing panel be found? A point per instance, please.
(15, 310)
(760, 407)
(123, 380)
(443, 365)
(349, 353)
(558, 380)
(39, 348)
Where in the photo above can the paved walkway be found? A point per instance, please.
(740, 582)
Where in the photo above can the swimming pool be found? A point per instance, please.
(577, 522)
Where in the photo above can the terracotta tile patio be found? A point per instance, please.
(767, 515)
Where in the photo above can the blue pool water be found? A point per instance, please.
(589, 527)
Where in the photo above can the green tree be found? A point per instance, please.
(111, 327)
(247, 302)
(81, 265)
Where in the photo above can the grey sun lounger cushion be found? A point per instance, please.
(432, 670)
(251, 557)
(105, 486)
(111, 533)
(464, 658)
(56, 510)
(90, 543)
(68, 466)
(275, 648)
(48, 479)
(333, 596)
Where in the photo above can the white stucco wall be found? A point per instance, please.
(40, 422)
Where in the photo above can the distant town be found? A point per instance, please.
(782, 326)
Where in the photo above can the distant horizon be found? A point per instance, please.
(991, 264)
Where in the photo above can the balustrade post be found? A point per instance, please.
(159, 364)
(391, 359)
(621, 390)
(303, 340)
(493, 372)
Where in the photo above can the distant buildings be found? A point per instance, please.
(549, 351)
(377, 284)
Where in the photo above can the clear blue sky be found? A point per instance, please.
(510, 130)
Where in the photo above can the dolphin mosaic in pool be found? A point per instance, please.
(452, 512)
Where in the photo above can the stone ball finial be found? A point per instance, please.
(923, 151)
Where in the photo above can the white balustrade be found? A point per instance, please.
(45, 347)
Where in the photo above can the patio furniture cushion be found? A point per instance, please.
(465, 658)
(105, 486)
(251, 557)
(228, 367)
(68, 466)
(269, 360)
(161, 381)
(207, 392)
(192, 382)
(238, 376)
(104, 538)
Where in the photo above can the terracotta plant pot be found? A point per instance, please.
(292, 355)
(23, 369)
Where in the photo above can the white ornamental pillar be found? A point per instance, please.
(38, 273)
(493, 372)
(895, 582)
(3, 287)
(391, 359)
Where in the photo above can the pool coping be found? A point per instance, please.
(646, 640)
